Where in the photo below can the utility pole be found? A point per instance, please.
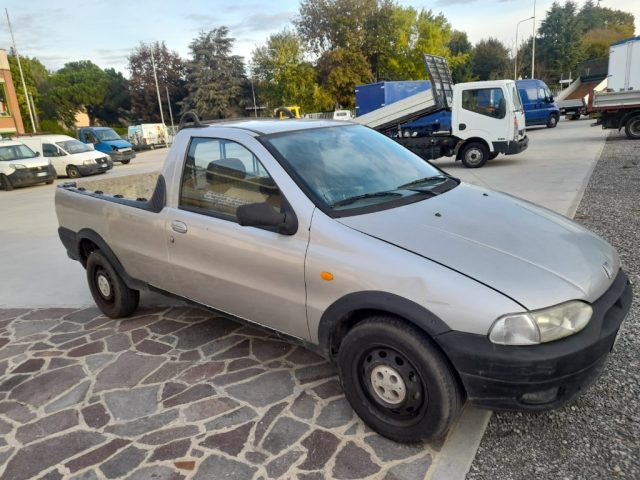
(35, 114)
(24, 85)
(515, 61)
(173, 128)
(533, 46)
(155, 77)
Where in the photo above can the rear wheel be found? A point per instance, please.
(553, 121)
(398, 381)
(474, 155)
(73, 172)
(5, 183)
(111, 294)
(632, 128)
(125, 162)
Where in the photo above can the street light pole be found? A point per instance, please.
(155, 77)
(515, 60)
(533, 47)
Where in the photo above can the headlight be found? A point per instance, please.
(17, 166)
(89, 162)
(540, 326)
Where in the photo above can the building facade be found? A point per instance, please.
(10, 119)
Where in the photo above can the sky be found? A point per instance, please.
(106, 32)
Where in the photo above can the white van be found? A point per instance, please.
(69, 156)
(148, 135)
(21, 166)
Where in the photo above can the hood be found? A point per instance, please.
(92, 155)
(532, 255)
(118, 143)
(31, 162)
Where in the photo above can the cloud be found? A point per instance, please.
(443, 3)
(263, 22)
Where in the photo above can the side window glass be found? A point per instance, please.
(485, 101)
(49, 150)
(542, 95)
(220, 175)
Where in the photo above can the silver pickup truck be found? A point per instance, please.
(426, 291)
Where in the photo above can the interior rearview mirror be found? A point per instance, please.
(264, 215)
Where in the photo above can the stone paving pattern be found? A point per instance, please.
(177, 393)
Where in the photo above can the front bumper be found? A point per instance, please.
(95, 168)
(32, 176)
(511, 147)
(539, 377)
(122, 156)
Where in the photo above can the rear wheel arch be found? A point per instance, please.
(351, 309)
(89, 241)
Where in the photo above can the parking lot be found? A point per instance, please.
(176, 393)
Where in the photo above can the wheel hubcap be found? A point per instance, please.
(474, 156)
(104, 286)
(388, 384)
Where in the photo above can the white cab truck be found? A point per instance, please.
(21, 166)
(619, 105)
(148, 135)
(473, 122)
(69, 156)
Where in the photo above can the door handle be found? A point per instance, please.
(178, 226)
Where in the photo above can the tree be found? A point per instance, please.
(601, 26)
(490, 60)
(339, 71)
(215, 77)
(461, 48)
(561, 45)
(78, 86)
(171, 72)
(36, 78)
(285, 77)
(117, 102)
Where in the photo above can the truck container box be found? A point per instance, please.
(376, 95)
(624, 65)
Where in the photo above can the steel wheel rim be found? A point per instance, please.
(410, 397)
(473, 156)
(103, 283)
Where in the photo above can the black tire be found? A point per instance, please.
(73, 172)
(125, 162)
(5, 183)
(632, 128)
(553, 121)
(49, 182)
(575, 116)
(384, 347)
(111, 294)
(474, 155)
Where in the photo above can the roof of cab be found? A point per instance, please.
(270, 126)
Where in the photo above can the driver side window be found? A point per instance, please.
(49, 150)
(221, 175)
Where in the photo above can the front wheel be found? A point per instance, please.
(5, 183)
(552, 122)
(474, 155)
(73, 172)
(632, 128)
(398, 381)
(125, 162)
(111, 294)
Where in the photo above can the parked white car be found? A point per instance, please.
(21, 166)
(69, 156)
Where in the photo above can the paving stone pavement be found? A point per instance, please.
(177, 393)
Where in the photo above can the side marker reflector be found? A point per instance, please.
(328, 276)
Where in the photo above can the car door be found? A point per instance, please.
(482, 113)
(253, 273)
(57, 157)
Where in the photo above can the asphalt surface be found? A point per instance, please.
(597, 436)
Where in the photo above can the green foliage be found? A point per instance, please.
(53, 126)
(490, 60)
(171, 72)
(339, 71)
(285, 78)
(461, 48)
(561, 47)
(215, 77)
(36, 78)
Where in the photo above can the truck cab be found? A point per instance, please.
(105, 139)
(539, 105)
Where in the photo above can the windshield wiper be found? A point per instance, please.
(350, 200)
(421, 181)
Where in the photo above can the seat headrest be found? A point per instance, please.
(232, 168)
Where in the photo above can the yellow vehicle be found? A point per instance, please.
(283, 113)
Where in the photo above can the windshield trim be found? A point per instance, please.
(319, 203)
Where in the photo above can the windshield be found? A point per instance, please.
(354, 166)
(74, 146)
(107, 135)
(15, 152)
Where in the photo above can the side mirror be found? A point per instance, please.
(550, 98)
(37, 154)
(263, 215)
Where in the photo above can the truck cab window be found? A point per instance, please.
(220, 175)
(485, 101)
(49, 150)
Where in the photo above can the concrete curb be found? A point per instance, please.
(459, 449)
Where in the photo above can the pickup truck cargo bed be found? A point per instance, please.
(130, 187)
